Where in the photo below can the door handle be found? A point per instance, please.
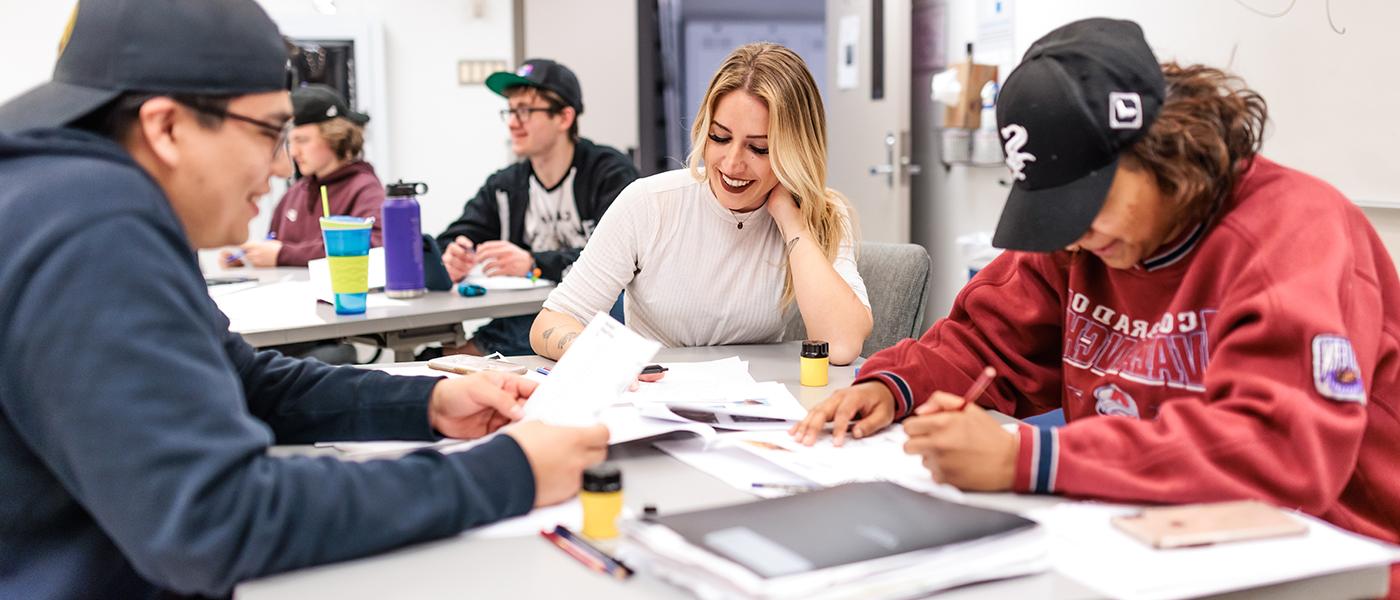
(891, 167)
(887, 168)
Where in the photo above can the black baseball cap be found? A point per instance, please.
(544, 74)
(317, 102)
(1081, 95)
(209, 47)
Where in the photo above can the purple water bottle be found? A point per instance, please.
(403, 240)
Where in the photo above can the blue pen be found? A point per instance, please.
(239, 253)
(542, 371)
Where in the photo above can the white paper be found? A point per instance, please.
(320, 272)
(478, 276)
(848, 56)
(626, 424)
(769, 399)
(1086, 547)
(734, 467)
(602, 362)
(393, 449)
(879, 457)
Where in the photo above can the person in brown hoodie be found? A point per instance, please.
(327, 145)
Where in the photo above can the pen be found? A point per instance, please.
(577, 553)
(980, 385)
(795, 488)
(542, 370)
(239, 253)
(615, 567)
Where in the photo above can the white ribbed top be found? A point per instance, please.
(692, 277)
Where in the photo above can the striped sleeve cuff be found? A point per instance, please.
(903, 395)
(1038, 460)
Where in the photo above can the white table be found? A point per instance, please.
(529, 567)
(270, 318)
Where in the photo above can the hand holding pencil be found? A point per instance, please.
(960, 443)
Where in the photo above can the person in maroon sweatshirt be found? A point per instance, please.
(327, 144)
(1215, 325)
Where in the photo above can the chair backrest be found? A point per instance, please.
(896, 280)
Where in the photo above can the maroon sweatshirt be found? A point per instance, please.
(1256, 357)
(353, 190)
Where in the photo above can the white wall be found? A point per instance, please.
(29, 33)
(445, 134)
(976, 193)
(597, 40)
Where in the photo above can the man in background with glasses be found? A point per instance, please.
(134, 426)
(539, 212)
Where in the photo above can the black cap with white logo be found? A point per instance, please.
(317, 102)
(211, 47)
(1081, 95)
(544, 74)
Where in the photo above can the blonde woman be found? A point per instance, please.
(723, 251)
(327, 143)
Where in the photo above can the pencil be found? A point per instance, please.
(978, 387)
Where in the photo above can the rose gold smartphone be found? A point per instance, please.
(1204, 524)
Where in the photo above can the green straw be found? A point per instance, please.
(325, 203)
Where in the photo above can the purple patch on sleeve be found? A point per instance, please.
(1336, 375)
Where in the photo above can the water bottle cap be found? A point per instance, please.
(400, 188)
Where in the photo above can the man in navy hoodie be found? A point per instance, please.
(134, 426)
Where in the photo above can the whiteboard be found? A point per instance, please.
(1334, 98)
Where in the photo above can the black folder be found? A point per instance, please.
(836, 526)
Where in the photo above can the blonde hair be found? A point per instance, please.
(346, 139)
(779, 78)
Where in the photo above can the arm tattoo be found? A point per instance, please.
(547, 333)
(568, 338)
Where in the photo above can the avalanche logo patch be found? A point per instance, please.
(1111, 401)
(1335, 372)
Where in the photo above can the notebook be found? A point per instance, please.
(854, 540)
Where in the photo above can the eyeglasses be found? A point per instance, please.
(522, 113)
(280, 133)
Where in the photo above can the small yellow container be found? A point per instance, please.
(602, 501)
(814, 363)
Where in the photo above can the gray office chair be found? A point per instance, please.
(896, 280)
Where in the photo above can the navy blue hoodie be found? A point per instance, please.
(134, 426)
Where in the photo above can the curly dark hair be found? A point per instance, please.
(1209, 130)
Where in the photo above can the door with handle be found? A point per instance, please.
(868, 145)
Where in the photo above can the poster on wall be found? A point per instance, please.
(847, 40)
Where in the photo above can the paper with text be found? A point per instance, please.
(593, 375)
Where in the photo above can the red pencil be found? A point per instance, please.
(980, 385)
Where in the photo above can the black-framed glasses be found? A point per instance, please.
(522, 113)
(278, 132)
